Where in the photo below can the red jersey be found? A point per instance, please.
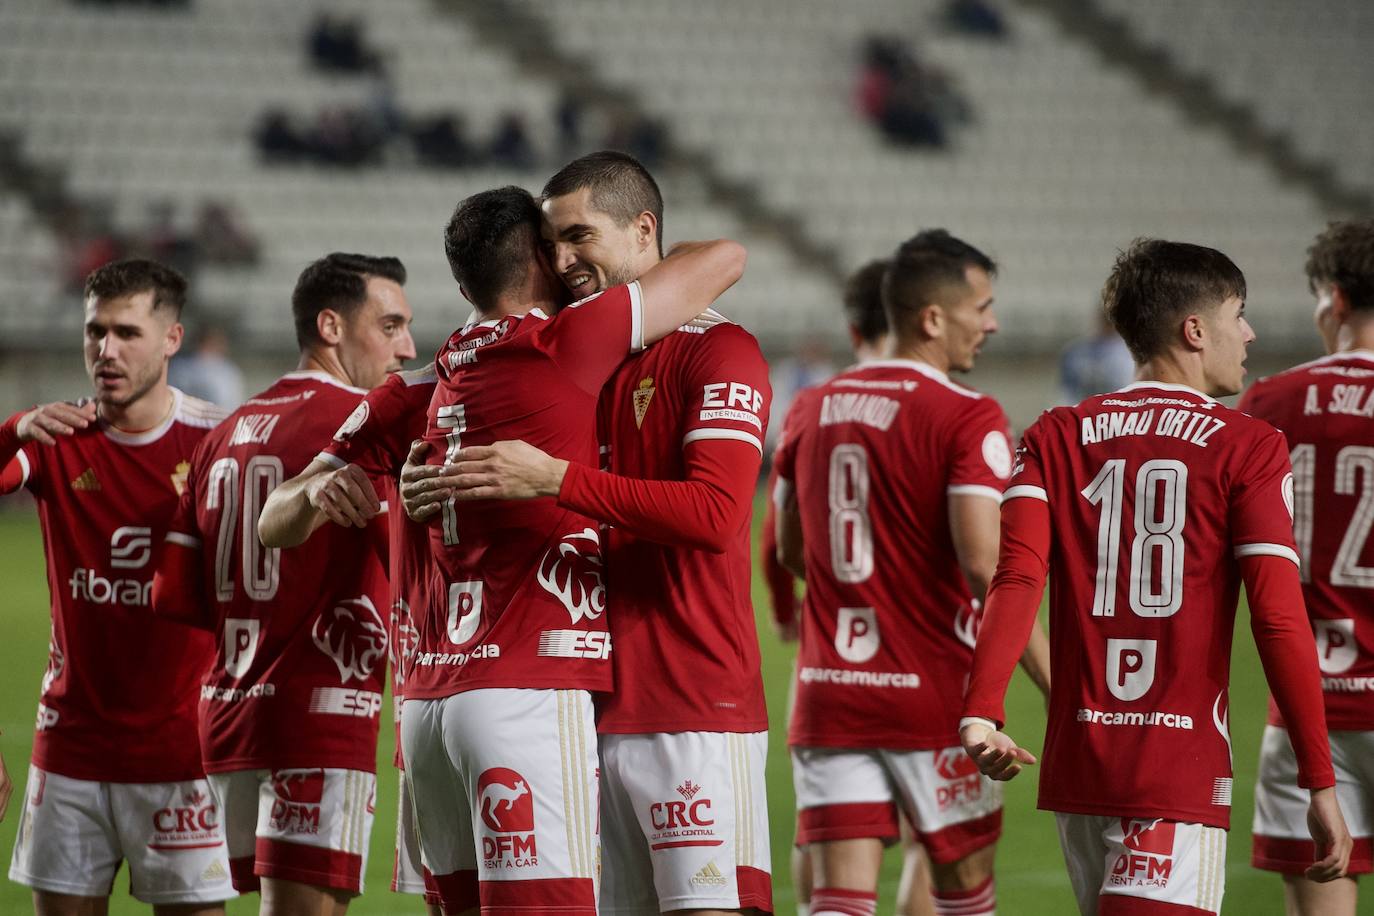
(299, 675)
(682, 616)
(118, 701)
(376, 438)
(1153, 491)
(888, 622)
(522, 601)
(1325, 409)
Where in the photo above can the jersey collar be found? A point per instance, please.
(1167, 386)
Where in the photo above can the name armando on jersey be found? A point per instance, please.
(1172, 422)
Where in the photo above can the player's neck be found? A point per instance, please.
(1357, 335)
(148, 412)
(326, 361)
(929, 352)
(1169, 369)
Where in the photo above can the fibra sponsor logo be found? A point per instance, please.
(296, 805)
(571, 572)
(574, 644)
(351, 633)
(190, 822)
(345, 701)
(962, 782)
(684, 821)
(1148, 859)
(506, 804)
(130, 547)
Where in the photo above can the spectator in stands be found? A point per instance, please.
(1094, 365)
(510, 145)
(161, 239)
(567, 119)
(278, 139)
(87, 243)
(912, 102)
(338, 44)
(221, 236)
(637, 135)
(209, 373)
(441, 141)
(976, 17)
(344, 136)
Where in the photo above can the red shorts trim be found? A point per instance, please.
(1292, 857)
(455, 892)
(244, 878)
(308, 865)
(952, 843)
(859, 820)
(1121, 905)
(567, 896)
(755, 888)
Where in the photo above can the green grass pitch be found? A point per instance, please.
(1030, 871)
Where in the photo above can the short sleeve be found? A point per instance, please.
(1027, 471)
(727, 389)
(1262, 498)
(185, 529)
(981, 461)
(377, 434)
(588, 339)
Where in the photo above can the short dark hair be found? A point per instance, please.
(338, 282)
(621, 186)
(139, 275)
(1343, 256)
(490, 240)
(1155, 283)
(863, 301)
(923, 267)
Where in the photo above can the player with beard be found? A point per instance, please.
(1326, 411)
(116, 772)
(497, 717)
(890, 477)
(1151, 504)
(289, 710)
(683, 738)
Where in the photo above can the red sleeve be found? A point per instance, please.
(589, 338)
(179, 588)
(1283, 636)
(703, 511)
(1012, 605)
(14, 464)
(728, 393)
(377, 434)
(782, 585)
(1261, 502)
(982, 451)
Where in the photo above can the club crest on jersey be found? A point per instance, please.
(352, 634)
(641, 397)
(571, 572)
(179, 475)
(354, 422)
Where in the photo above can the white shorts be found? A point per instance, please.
(1282, 842)
(307, 825)
(503, 785)
(73, 833)
(407, 873)
(846, 794)
(1116, 863)
(684, 822)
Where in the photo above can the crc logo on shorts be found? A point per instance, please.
(190, 822)
(571, 572)
(240, 644)
(1148, 859)
(296, 807)
(856, 634)
(1336, 648)
(131, 547)
(961, 784)
(684, 821)
(354, 422)
(1130, 667)
(352, 634)
(506, 805)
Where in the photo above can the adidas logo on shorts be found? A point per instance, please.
(709, 876)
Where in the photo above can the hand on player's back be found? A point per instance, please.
(510, 469)
(1327, 826)
(345, 496)
(57, 419)
(997, 756)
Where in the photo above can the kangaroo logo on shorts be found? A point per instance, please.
(571, 572)
(352, 634)
(1152, 836)
(304, 787)
(1149, 857)
(506, 803)
(953, 763)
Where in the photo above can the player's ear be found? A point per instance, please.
(646, 230)
(175, 335)
(932, 321)
(329, 324)
(1340, 303)
(1194, 332)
